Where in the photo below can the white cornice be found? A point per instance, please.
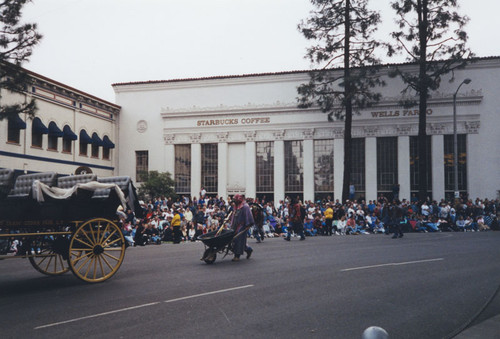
(472, 97)
(276, 107)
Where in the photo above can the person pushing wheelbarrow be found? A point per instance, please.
(230, 240)
(241, 220)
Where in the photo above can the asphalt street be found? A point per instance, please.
(421, 286)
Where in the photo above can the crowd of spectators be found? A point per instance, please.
(320, 218)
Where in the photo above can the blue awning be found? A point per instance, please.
(68, 133)
(54, 130)
(96, 141)
(17, 122)
(39, 127)
(84, 137)
(108, 143)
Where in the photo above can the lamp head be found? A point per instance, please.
(467, 81)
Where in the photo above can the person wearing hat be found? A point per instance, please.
(241, 221)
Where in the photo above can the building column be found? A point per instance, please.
(338, 168)
(371, 183)
(169, 164)
(195, 170)
(404, 168)
(437, 147)
(250, 169)
(474, 182)
(308, 187)
(222, 149)
(279, 171)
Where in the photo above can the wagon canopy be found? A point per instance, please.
(41, 190)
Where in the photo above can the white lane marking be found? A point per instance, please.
(140, 306)
(390, 264)
(208, 293)
(96, 315)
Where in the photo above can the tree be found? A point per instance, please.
(16, 45)
(431, 35)
(343, 30)
(156, 185)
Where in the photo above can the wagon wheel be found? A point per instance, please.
(96, 250)
(210, 255)
(46, 260)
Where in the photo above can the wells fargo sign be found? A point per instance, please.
(397, 113)
(241, 121)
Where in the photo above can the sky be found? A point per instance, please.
(91, 44)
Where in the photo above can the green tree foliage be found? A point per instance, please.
(157, 184)
(343, 32)
(431, 34)
(16, 45)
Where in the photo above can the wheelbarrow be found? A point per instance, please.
(217, 242)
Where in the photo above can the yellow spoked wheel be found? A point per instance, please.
(96, 250)
(46, 261)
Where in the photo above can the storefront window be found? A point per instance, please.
(323, 166)
(414, 163)
(358, 166)
(265, 166)
(141, 165)
(294, 166)
(387, 165)
(209, 168)
(449, 172)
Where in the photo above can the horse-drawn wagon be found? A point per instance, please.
(65, 223)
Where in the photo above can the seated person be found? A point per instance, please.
(470, 225)
(351, 227)
(460, 223)
(168, 234)
(155, 235)
(140, 237)
(309, 228)
(127, 233)
(370, 222)
(319, 225)
(432, 225)
(342, 225)
(481, 225)
(378, 226)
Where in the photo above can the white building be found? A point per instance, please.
(245, 134)
(71, 132)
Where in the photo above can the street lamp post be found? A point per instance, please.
(455, 139)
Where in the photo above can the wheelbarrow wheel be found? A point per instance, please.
(46, 260)
(96, 250)
(209, 256)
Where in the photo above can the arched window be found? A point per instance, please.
(54, 134)
(84, 141)
(14, 126)
(38, 129)
(68, 138)
(96, 142)
(107, 146)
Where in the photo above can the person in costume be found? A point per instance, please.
(241, 221)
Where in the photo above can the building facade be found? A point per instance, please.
(245, 134)
(72, 131)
